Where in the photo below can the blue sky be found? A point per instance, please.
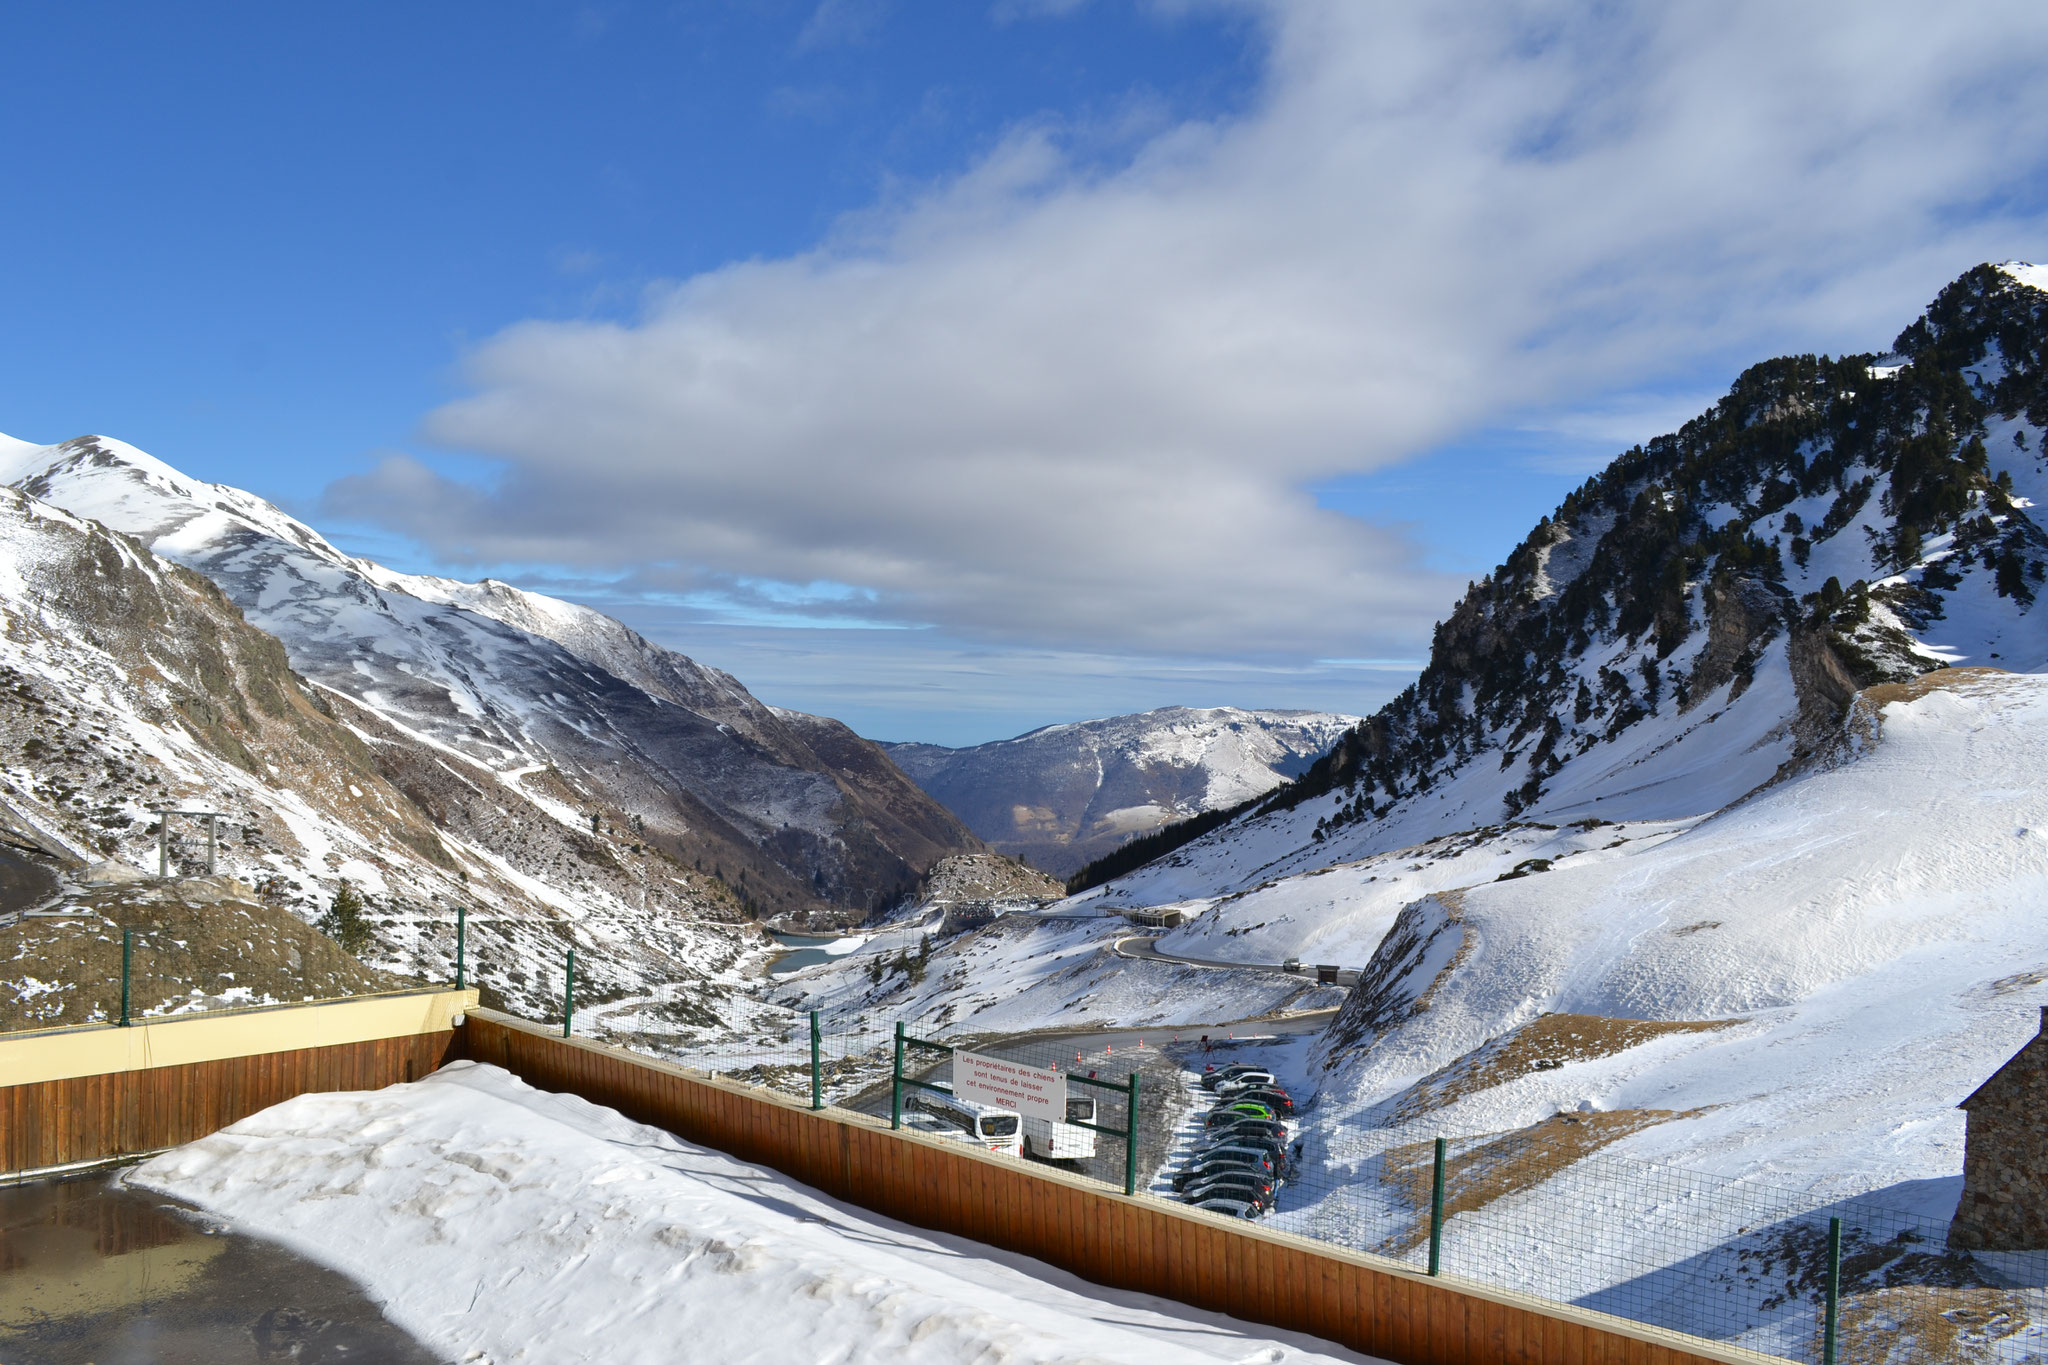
(960, 368)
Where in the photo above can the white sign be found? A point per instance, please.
(1009, 1085)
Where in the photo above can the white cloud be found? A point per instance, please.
(1052, 405)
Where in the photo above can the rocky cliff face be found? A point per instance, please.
(1063, 796)
(560, 703)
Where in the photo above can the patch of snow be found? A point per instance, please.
(498, 1222)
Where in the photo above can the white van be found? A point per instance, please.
(1062, 1141)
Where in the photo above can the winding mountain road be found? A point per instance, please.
(1142, 947)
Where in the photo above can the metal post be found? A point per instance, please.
(569, 993)
(212, 844)
(1827, 1336)
(896, 1082)
(163, 844)
(461, 937)
(1436, 1211)
(127, 956)
(1131, 1138)
(817, 1065)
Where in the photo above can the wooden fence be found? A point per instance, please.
(1149, 1245)
(69, 1096)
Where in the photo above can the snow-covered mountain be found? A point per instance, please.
(1690, 624)
(1064, 795)
(569, 708)
(128, 683)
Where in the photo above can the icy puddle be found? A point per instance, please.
(91, 1271)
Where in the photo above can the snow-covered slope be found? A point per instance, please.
(1792, 995)
(556, 700)
(1066, 794)
(1689, 625)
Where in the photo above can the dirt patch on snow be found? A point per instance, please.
(1930, 1325)
(1505, 1164)
(1866, 713)
(1546, 1043)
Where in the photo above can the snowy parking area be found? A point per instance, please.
(500, 1223)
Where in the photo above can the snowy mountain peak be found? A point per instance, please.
(1066, 794)
(2027, 273)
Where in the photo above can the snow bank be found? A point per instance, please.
(499, 1223)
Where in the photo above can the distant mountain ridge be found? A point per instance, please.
(572, 708)
(1064, 795)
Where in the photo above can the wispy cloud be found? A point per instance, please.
(842, 23)
(1057, 406)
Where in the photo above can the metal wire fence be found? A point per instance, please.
(1544, 1210)
(87, 971)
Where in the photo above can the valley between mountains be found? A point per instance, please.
(1712, 831)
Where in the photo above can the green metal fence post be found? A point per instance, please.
(1827, 1336)
(1131, 1139)
(569, 993)
(1436, 1211)
(817, 1065)
(896, 1082)
(461, 934)
(127, 957)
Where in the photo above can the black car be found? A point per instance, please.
(1225, 1188)
(1247, 1123)
(1201, 1174)
(1265, 1142)
(1255, 1159)
(1274, 1098)
(1250, 1179)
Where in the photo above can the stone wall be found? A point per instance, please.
(2005, 1162)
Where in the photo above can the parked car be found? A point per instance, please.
(1230, 1208)
(1222, 1187)
(1244, 1080)
(1216, 1075)
(1292, 964)
(1255, 1158)
(1228, 1113)
(1246, 1123)
(1247, 1178)
(1273, 1097)
(1245, 1166)
(1241, 1137)
(1261, 1164)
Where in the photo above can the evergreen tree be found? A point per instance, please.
(344, 922)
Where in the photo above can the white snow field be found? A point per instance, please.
(1878, 930)
(499, 1223)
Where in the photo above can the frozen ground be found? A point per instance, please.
(499, 1223)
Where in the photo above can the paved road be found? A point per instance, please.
(1141, 947)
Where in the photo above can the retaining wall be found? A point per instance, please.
(69, 1096)
(1149, 1245)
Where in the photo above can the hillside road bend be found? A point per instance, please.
(1145, 947)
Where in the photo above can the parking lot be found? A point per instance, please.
(1235, 1148)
